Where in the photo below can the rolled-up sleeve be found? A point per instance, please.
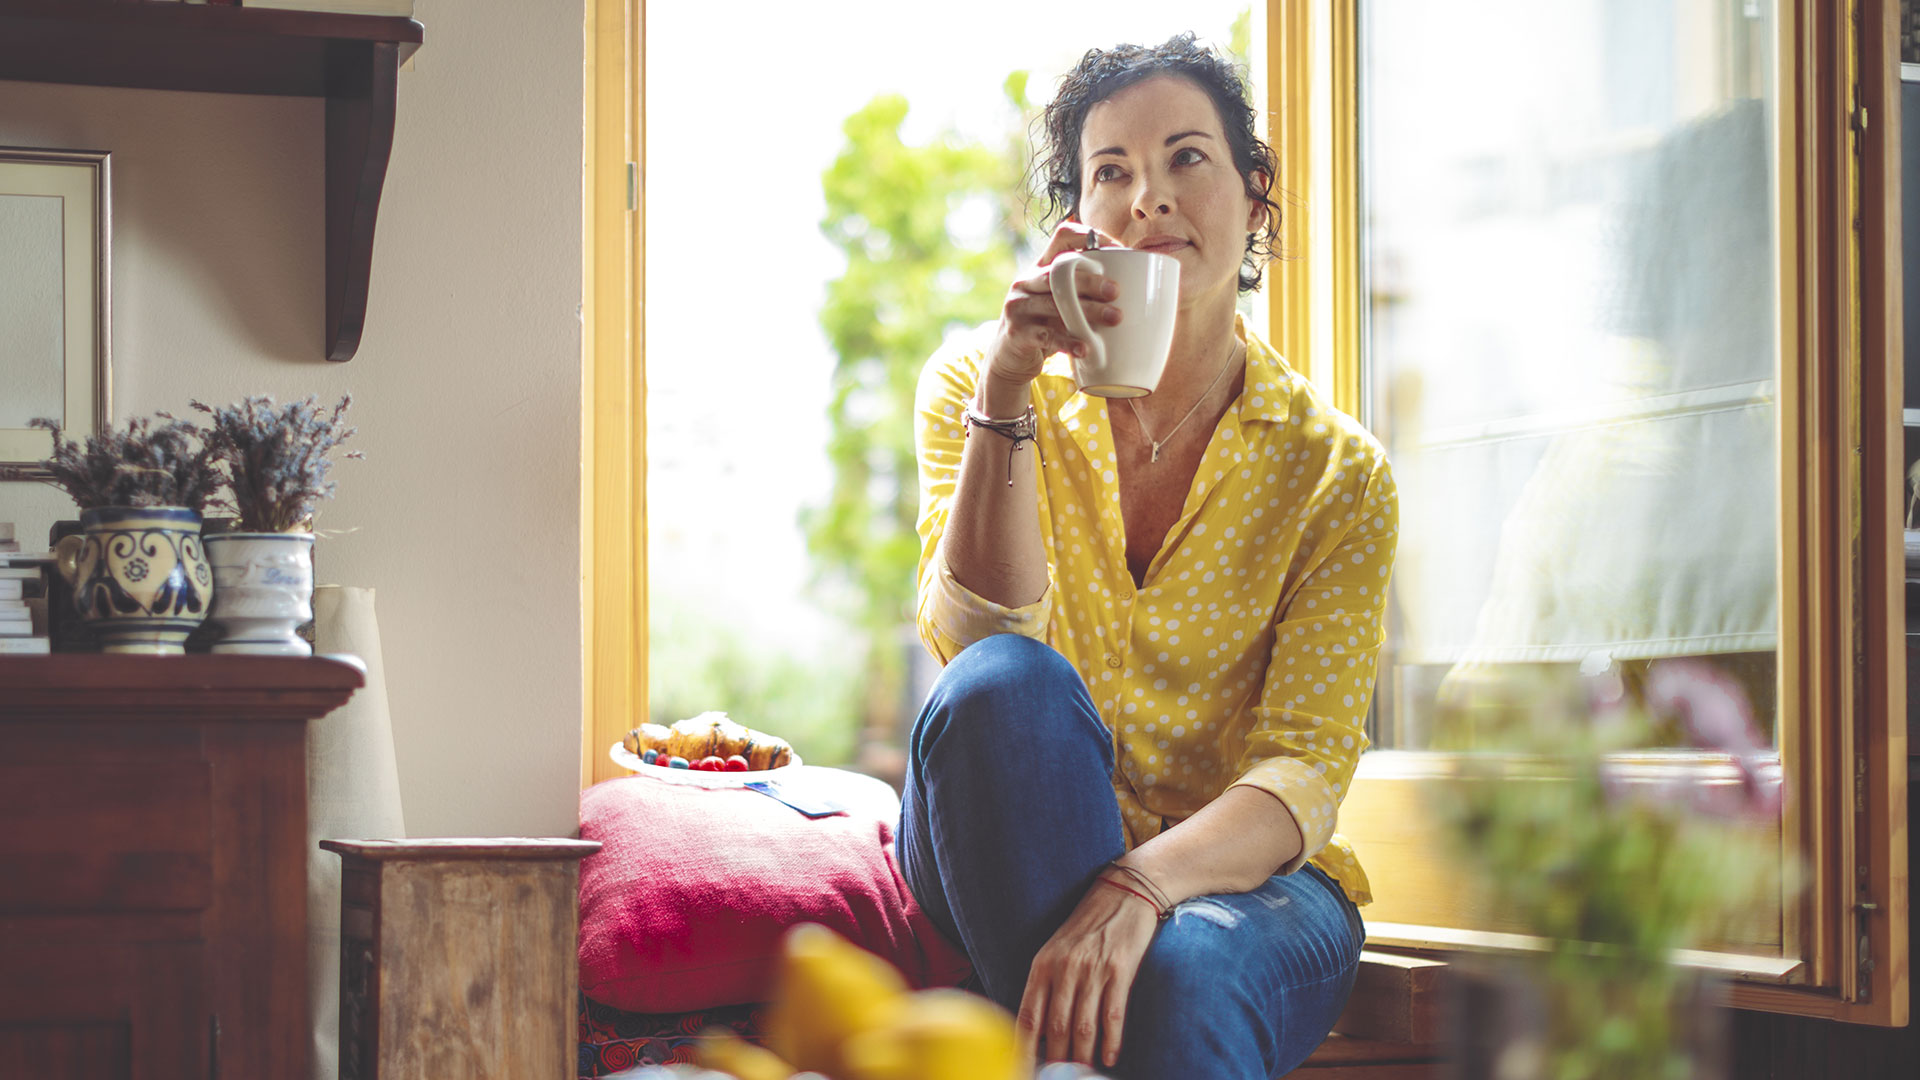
(952, 618)
(949, 616)
(1309, 726)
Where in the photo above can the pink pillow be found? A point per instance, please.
(685, 904)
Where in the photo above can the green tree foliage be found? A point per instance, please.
(1240, 39)
(930, 235)
(702, 660)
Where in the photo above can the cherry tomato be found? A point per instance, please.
(736, 763)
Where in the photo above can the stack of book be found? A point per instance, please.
(20, 580)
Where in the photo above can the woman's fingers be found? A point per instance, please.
(1091, 286)
(1038, 312)
(1073, 236)
(1047, 1008)
(1068, 1013)
(1087, 1027)
(1075, 1004)
(1031, 325)
(1036, 330)
(1032, 1016)
(1061, 1019)
(1113, 1020)
(1038, 309)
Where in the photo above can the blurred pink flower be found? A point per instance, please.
(1715, 715)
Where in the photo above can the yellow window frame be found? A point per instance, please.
(1843, 739)
(613, 451)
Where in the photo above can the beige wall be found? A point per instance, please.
(465, 515)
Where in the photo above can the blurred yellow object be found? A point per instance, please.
(842, 1011)
(827, 992)
(728, 1053)
(939, 1035)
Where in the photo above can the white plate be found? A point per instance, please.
(628, 760)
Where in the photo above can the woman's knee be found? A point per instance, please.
(1008, 689)
(1199, 951)
(1193, 1004)
(1266, 981)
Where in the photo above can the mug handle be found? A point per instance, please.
(66, 557)
(1066, 297)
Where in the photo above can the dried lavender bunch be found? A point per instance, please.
(145, 463)
(277, 457)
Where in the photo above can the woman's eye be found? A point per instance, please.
(1188, 155)
(1105, 173)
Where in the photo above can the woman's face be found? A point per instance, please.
(1156, 172)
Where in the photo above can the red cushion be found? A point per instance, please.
(685, 904)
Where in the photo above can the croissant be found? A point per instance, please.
(646, 737)
(761, 750)
(696, 737)
(767, 752)
(711, 734)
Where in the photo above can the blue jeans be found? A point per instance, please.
(1009, 812)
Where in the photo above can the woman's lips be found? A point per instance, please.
(1166, 245)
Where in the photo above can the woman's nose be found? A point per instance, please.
(1150, 203)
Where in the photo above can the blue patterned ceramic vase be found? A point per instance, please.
(140, 578)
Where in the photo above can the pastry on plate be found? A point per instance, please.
(710, 734)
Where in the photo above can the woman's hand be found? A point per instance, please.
(1076, 999)
(1030, 325)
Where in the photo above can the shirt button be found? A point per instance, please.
(1113, 661)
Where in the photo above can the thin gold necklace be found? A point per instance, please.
(1156, 444)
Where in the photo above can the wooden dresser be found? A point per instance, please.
(152, 863)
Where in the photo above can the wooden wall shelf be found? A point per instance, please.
(351, 60)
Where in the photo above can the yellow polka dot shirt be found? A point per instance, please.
(1248, 656)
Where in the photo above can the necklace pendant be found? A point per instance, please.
(1156, 451)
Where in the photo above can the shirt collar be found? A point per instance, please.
(1269, 389)
(1266, 395)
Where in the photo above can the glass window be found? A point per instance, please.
(1572, 346)
(785, 328)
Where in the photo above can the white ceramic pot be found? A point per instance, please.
(262, 592)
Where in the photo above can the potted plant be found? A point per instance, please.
(140, 577)
(277, 459)
(1611, 858)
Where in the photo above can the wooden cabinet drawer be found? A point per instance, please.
(106, 837)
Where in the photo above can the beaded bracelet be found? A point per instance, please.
(1021, 429)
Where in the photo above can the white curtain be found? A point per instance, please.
(353, 792)
(1573, 327)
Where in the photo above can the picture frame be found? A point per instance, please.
(55, 298)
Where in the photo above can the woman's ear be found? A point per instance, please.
(1257, 212)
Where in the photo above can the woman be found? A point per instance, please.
(1159, 631)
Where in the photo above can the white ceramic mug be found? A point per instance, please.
(1126, 360)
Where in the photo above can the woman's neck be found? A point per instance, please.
(1203, 341)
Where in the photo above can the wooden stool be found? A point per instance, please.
(1393, 1026)
(458, 958)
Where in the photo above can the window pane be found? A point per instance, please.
(1572, 338)
(785, 328)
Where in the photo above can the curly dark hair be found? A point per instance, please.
(1102, 73)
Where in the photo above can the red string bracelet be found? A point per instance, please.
(1157, 913)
